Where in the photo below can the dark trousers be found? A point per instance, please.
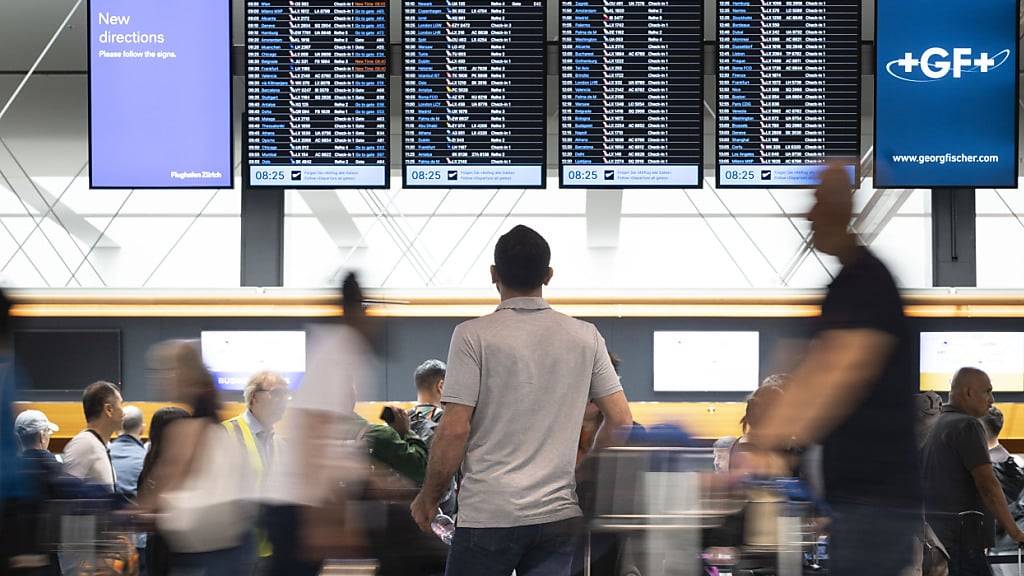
(216, 563)
(968, 562)
(871, 538)
(537, 550)
(282, 526)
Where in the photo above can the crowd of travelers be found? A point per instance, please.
(492, 471)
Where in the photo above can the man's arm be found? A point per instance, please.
(617, 419)
(447, 451)
(827, 386)
(992, 495)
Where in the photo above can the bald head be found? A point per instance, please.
(133, 420)
(971, 391)
(833, 208)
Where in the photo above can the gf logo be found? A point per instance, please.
(935, 64)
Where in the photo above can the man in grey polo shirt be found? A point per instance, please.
(517, 385)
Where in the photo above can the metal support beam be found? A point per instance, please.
(604, 217)
(262, 237)
(47, 205)
(880, 209)
(954, 241)
(331, 213)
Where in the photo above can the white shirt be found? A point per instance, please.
(87, 457)
(304, 474)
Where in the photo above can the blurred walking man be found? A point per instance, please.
(854, 393)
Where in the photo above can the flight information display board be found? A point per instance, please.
(316, 93)
(788, 90)
(473, 93)
(631, 93)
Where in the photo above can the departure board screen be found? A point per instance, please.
(788, 90)
(316, 93)
(631, 93)
(473, 93)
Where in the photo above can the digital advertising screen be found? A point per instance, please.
(946, 94)
(473, 93)
(788, 91)
(999, 354)
(160, 94)
(705, 361)
(316, 93)
(631, 102)
(234, 356)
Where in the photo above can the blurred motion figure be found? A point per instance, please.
(203, 509)
(853, 393)
(308, 480)
(156, 553)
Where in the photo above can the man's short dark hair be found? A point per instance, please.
(993, 422)
(96, 396)
(521, 258)
(429, 374)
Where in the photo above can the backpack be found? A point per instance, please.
(1011, 478)
(423, 421)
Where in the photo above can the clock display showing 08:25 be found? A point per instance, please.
(731, 175)
(582, 175)
(268, 175)
(425, 174)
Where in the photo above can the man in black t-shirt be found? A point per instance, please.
(958, 477)
(854, 394)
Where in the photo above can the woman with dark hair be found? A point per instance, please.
(157, 555)
(205, 522)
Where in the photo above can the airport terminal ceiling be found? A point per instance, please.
(57, 232)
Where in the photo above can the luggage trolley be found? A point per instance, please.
(651, 498)
(90, 539)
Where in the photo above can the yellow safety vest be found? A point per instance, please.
(237, 426)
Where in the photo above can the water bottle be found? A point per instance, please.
(443, 527)
(822, 547)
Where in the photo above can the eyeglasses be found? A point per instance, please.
(278, 393)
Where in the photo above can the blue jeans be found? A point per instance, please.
(537, 550)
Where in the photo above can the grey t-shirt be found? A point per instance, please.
(955, 446)
(529, 371)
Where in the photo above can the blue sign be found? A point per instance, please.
(160, 94)
(946, 94)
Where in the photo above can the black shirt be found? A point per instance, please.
(872, 457)
(955, 446)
